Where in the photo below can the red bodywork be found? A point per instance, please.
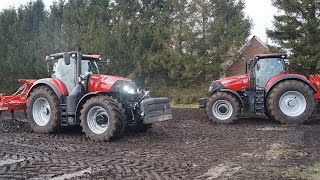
(17, 101)
(57, 83)
(315, 81)
(103, 83)
(236, 83)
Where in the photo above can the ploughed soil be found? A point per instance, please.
(186, 147)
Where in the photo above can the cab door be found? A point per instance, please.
(66, 73)
(265, 69)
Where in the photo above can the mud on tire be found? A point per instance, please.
(43, 110)
(101, 118)
(223, 108)
(291, 102)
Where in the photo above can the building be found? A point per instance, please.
(235, 65)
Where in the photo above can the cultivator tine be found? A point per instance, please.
(25, 114)
(1, 120)
(13, 117)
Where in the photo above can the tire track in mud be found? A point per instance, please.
(38, 158)
(186, 147)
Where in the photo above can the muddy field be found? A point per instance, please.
(187, 147)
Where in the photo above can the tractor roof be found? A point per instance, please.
(85, 56)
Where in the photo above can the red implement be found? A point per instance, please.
(18, 100)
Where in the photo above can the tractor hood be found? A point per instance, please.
(104, 83)
(234, 83)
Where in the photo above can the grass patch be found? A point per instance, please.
(194, 105)
(183, 96)
(311, 173)
(277, 150)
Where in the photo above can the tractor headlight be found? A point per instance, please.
(125, 87)
(128, 89)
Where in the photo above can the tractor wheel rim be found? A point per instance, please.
(98, 120)
(222, 109)
(292, 103)
(41, 111)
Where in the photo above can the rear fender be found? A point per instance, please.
(283, 77)
(235, 94)
(55, 84)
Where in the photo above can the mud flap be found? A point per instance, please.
(155, 109)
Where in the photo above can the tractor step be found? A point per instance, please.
(259, 102)
(64, 115)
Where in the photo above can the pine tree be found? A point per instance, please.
(298, 27)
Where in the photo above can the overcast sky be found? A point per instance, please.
(260, 11)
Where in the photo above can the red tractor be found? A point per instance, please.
(76, 94)
(266, 87)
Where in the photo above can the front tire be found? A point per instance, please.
(101, 118)
(291, 102)
(223, 108)
(43, 110)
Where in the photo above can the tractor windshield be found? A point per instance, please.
(89, 67)
(266, 68)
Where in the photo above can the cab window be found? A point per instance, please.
(266, 68)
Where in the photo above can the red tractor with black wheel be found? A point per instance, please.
(76, 94)
(265, 88)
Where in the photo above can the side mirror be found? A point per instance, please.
(47, 58)
(66, 57)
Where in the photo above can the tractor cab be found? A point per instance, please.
(69, 67)
(265, 66)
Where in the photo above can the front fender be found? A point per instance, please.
(86, 97)
(235, 94)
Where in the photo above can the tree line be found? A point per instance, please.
(177, 43)
(297, 27)
(155, 42)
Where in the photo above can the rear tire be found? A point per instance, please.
(291, 102)
(223, 108)
(101, 118)
(43, 110)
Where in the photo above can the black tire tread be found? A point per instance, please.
(275, 112)
(115, 114)
(231, 98)
(55, 122)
